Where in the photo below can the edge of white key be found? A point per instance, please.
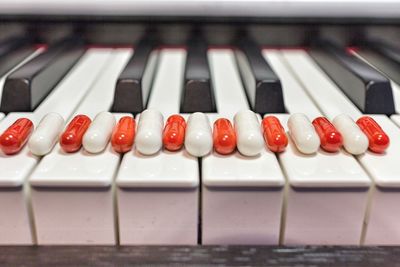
(262, 170)
(322, 169)
(15, 168)
(1, 116)
(384, 168)
(86, 170)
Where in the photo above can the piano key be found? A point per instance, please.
(233, 183)
(1, 116)
(158, 195)
(383, 220)
(262, 85)
(19, 166)
(19, 63)
(374, 61)
(382, 170)
(27, 86)
(368, 89)
(292, 89)
(169, 75)
(13, 51)
(198, 95)
(82, 211)
(133, 85)
(314, 81)
(327, 192)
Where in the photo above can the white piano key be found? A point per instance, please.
(384, 214)
(158, 195)
(241, 196)
(28, 58)
(317, 83)
(1, 116)
(292, 89)
(384, 172)
(164, 96)
(46, 134)
(19, 166)
(98, 135)
(326, 198)
(82, 210)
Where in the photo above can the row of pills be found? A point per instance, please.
(151, 135)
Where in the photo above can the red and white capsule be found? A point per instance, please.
(15, 137)
(174, 133)
(331, 139)
(71, 138)
(378, 139)
(123, 135)
(224, 137)
(274, 134)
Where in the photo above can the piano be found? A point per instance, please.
(218, 58)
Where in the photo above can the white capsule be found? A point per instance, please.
(354, 140)
(97, 136)
(249, 138)
(148, 139)
(198, 135)
(303, 133)
(46, 134)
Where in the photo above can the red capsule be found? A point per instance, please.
(71, 139)
(378, 139)
(15, 137)
(274, 134)
(123, 134)
(331, 139)
(174, 133)
(224, 137)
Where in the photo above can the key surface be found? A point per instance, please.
(71, 90)
(198, 94)
(134, 83)
(19, 64)
(367, 88)
(82, 169)
(263, 87)
(27, 86)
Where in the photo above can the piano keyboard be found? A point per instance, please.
(191, 196)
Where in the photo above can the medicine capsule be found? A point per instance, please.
(331, 139)
(354, 140)
(99, 133)
(303, 133)
(274, 134)
(174, 133)
(250, 141)
(149, 133)
(224, 137)
(123, 135)
(71, 139)
(15, 137)
(198, 139)
(378, 139)
(46, 134)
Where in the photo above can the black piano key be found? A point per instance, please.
(133, 85)
(198, 94)
(13, 51)
(366, 87)
(263, 87)
(27, 86)
(384, 57)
